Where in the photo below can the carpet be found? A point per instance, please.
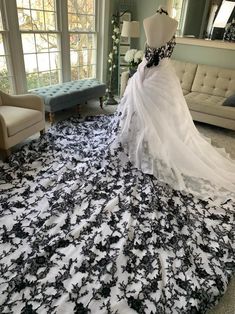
(220, 137)
(85, 232)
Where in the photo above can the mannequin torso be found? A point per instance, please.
(159, 29)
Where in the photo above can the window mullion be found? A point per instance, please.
(15, 48)
(64, 39)
(102, 38)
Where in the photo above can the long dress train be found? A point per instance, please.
(158, 133)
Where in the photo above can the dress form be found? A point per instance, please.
(159, 29)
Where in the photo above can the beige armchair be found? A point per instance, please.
(20, 117)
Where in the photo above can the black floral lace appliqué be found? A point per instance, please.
(155, 55)
(91, 234)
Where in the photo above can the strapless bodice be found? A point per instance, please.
(154, 55)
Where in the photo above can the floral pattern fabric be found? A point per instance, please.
(83, 231)
(155, 55)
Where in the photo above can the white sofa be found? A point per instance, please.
(205, 89)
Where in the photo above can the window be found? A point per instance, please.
(47, 42)
(82, 35)
(179, 9)
(5, 76)
(40, 41)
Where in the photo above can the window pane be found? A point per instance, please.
(90, 7)
(1, 25)
(38, 20)
(25, 21)
(5, 82)
(3, 65)
(23, 4)
(72, 22)
(81, 72)
(81, 22)
(42, 42)
(74, 58)
(2, 49)
(44, 78)
(30, 62)
(74, 74)
(81, 15)
(81, 41)
(43, 62)
(87, 57)
(32, 80)
(90, 23)
(36, 4)
(49, 5)
(50, 19)
(28, 43)
(55, 77)
(5, 77)
(53, 41)
(54, 60)
(81, 6)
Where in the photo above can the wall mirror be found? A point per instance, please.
(204, 19)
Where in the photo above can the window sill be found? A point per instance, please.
(205, 43)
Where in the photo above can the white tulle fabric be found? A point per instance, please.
(161, 139)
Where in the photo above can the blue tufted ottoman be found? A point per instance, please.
(69, 94)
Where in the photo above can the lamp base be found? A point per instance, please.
(110, 100)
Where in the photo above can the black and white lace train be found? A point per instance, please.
(84, 231)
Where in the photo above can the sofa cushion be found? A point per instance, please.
(17, 119)
(209, 104)
(230, 101)
(214, 81)
(185, 72)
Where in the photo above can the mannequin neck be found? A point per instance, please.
(162, 11)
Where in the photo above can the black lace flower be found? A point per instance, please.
(28, 309)
(105, 291)
(40, 260)
(80, 309)
(135, 304)
(155, 55)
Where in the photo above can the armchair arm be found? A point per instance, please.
(25, 101)
(3, 132)
(124, 81)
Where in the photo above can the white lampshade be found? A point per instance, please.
(130, 29)
(224, 14)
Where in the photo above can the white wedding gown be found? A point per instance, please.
(158, 133)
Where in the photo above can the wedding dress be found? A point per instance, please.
(158, 133)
